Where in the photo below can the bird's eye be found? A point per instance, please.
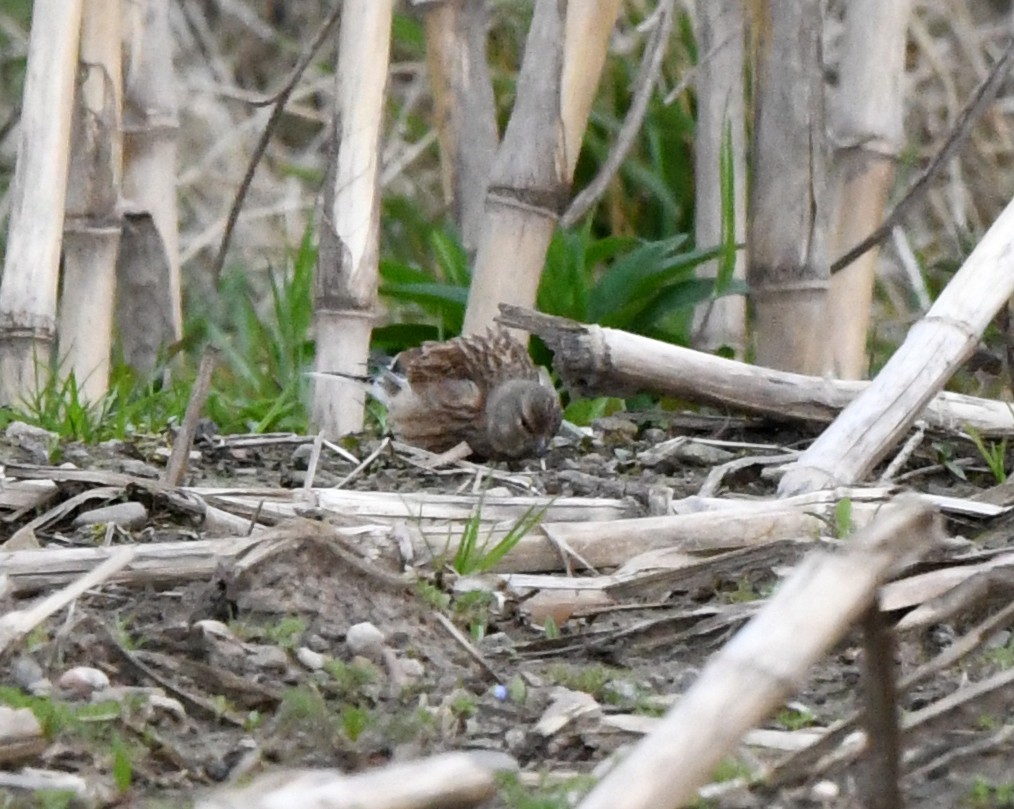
(525, 425)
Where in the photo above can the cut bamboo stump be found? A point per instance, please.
(93, 221)
(720, 110)
(28, 288)
(530, 180)
(787, 267)
(934, 349)
(867, 132)
(596, 360)
(527, 184)
(345, 283)
(149, 313)
(751, 676)
(464, 110)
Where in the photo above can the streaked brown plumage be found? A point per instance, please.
(483, 389)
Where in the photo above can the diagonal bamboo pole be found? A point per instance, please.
(935, 347)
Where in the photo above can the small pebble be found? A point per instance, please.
(365, 639)
(825, 791)
(411, 669)
(83, 681)
(139, 469)
(654, 435)
(301, 456)
(19, 431)
(312, 660)
(26, 672)
(126, 515)
(269, 657)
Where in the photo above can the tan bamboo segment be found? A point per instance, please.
(586, 43)
(935, 347)
(345, 285)
(28, 288)
(463, 108)
(92, 222)
(867, 134)
(530, 180)
(721, 107)
(788, 266)
(149, 266)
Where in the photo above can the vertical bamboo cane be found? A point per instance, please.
(464, 110)
(720, 104)
(345, 286)
(92, 224)
(788, 268)
(531, 177)
(149, 266)
(28, 289)
(867, 133)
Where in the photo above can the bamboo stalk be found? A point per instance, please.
(721, 107)
(586, 42)
(149, 266)
(530, 180)
(788, 269)
(28, 288)
(935, 347)
(463, 108)
(345, 285)
(92, 224)
(867, 133)
(751, 676)
(459, 779)
(598, 361)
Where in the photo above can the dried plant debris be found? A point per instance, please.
(246, 622)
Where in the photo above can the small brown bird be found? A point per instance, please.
(483, 389)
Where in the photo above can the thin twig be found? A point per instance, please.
(365, 463)
(279, 100)
(177, 465)
(880, 699)
(981, 98)
(311, 466)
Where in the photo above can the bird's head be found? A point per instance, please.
(522, 415)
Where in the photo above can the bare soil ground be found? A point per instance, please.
(262, 667)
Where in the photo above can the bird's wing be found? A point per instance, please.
(487, 360)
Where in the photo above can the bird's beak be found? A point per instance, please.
(541, 446)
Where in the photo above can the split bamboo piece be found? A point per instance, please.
(149, 313)
(463, 107)
(867, 134)
(788, 269)
(28, 288)
(721, 108)
(459, 779)
(399, 506)
(592, 359)
(751, 676)
(18, 623)
(530, 179)
(92, 224)
(935, 347)
(345, 284)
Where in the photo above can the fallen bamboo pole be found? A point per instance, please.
(596, 360)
